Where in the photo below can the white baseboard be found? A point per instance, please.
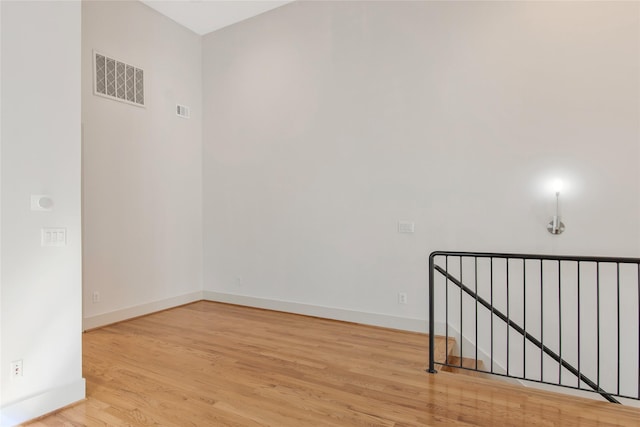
(374, 319)
(139, 310)
(41, 404)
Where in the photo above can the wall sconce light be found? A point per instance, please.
(556, 226)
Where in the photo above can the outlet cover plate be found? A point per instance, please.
(54, 237)
(406, 226)
(16, 368)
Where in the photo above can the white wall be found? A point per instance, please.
(327, 122)
(142, 173)
(40, 286)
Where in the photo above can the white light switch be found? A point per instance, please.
(406, 226)
(54, 237)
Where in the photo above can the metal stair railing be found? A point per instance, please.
(556, 356)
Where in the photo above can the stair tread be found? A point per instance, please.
(444, 347)
(464, 362)
(443, 350)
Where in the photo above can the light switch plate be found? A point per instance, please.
(406, 226)
(54, 237)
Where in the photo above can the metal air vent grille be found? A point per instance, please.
(116, 80)
(183, 111)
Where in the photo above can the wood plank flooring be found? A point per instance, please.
(211, 364)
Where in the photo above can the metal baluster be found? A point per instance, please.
(508, 330)
(541, 319)
(618, 313)
(476, 292)
(579, 322)
(598, 324)
(559, 320)
(461, 328)
(446, 310)
(491, 294)
(524, 318)
(432, 330)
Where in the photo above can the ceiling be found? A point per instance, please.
(204, 16)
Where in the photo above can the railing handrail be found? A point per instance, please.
(527, 335)
(537, 257)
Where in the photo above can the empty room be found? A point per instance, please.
(310, 213)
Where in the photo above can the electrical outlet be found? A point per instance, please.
(402, 297)
(16, 368)
(95, 297)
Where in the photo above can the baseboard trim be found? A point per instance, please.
(139, 310)
(366, 318)
(42, 404)
(373, 319)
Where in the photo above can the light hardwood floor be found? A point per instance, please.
(211, 364)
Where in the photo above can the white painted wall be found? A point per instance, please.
(142, 173)
(40, 286)
(327, 122)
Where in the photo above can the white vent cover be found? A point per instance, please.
(116, 80)
(183, 111)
